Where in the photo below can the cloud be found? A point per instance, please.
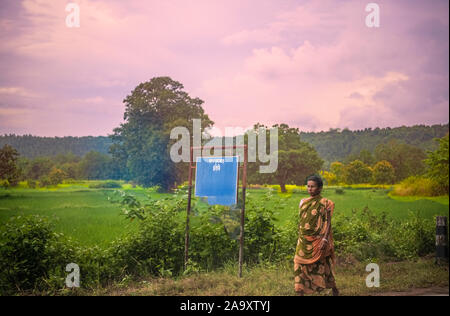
(16, 91)
(311, 64)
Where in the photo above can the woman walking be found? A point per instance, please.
(314, 256)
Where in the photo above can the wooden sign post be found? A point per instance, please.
(244, 188)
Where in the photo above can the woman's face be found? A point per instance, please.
(313, 188)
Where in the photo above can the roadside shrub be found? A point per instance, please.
(414, 237)
(214, 237)
(29, 253)
(260, 231)
(157, 248)
(366, 235)
(33, 257)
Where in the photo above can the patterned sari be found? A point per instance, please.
(313, 267)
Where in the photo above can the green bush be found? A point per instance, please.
(4, 183)
(57, 176)
(30, 252)
(157, 248)
(213, 237)
(261, 235)
(33, 257)
(414, 237)
(32, 184)
(44, 181)
(366, 235)
(418, 186)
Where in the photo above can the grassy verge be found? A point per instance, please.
(271, 280)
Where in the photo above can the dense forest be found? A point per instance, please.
(336, 144)
(332, 145)
(35, 146)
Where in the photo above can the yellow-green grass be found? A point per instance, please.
(277, 280)
(86, 215)
(357, 198)
(79, 212)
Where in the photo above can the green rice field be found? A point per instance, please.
(87, 216)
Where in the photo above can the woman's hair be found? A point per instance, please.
(316, 179)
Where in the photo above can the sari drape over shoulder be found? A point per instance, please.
(313, 265)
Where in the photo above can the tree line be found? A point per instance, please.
(338, 145)
(31, 147)
(138, 150)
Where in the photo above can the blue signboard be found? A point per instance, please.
(216, 179)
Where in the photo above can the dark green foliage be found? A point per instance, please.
(9, 170)
(261, 236)
(95, 165)
(57, 176)
(32, 184)
(383, 173)
(30, 252)
(296, 159)
(407, 160)
(438, 162)
(157, 248)
(33, 257)
(44, 181)
(336, 144)
(366, 235)
(142, 143)
(213, 240)
(357, 172)
(36, 146)
(37, 168)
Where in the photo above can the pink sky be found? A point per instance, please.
(313, 64)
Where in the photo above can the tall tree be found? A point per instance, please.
(38, 168)
(142, 143)
(357, 172)
(296, 159)
(294, 166)
(407, 160)
(94, 165)
(437, 163)
(338, 168)
(383, 173)
(8, 165)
